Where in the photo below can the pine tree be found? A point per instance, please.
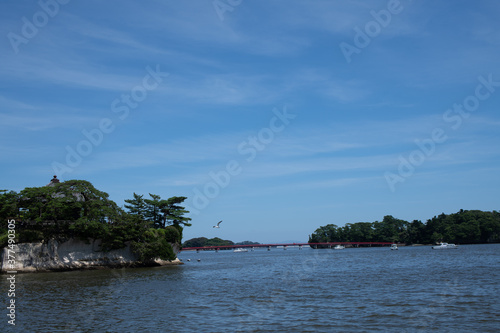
(137, 206)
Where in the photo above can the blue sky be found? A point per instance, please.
(276, 117)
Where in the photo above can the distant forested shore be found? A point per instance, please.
(216, 241)
(463, 227)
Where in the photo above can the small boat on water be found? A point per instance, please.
(445, 246)
(394, 246)
(339, 247)
(240, 249)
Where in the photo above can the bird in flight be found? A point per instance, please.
(217, 226)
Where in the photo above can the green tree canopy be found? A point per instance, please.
(161, 212)
(69, 200)
(137, 206)
(9, 204)
(75, 208)
(464, 227)
(173, 213)
(153, 213)
(203, 241)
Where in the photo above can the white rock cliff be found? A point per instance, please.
(70, 255)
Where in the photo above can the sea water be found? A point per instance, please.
(413, 289)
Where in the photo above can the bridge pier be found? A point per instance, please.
(269, 248)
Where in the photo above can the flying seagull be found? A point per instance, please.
(217, 226)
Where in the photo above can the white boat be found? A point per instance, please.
(394, 246)
(339, 247)
(445, 246)
(240, 249)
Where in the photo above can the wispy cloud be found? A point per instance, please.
(41, 123)
(213, 89)
(64, 72)
(368, 145)
(12, 104)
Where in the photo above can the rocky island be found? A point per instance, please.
(71, 225)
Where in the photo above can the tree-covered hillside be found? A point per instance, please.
(216, 241)
(463, 227)
(203, 241)
(75, 208)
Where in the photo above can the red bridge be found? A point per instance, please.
(269, 246)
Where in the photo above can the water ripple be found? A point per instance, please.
(362, 290)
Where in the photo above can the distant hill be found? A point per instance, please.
(216, 241)
(203, 241)
(291, 242)
(247, 243)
